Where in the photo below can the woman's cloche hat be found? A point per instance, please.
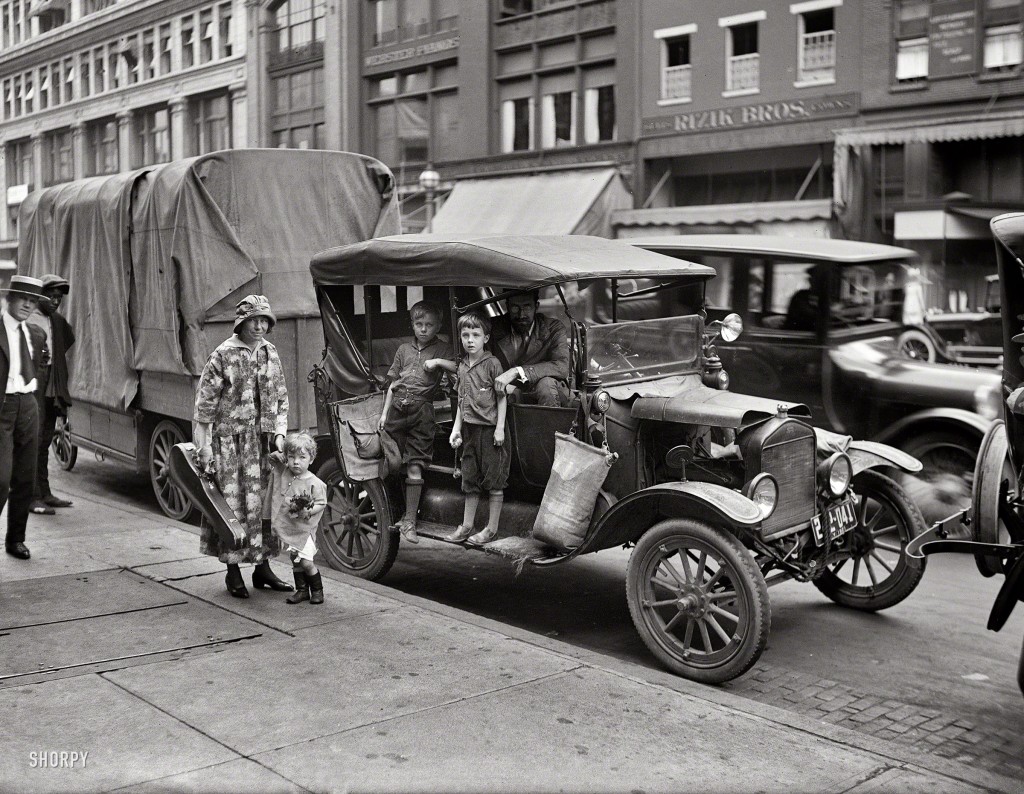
(25, 285)
(253, 306)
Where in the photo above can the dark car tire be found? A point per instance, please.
(668, 631)
(355, 534)
(62, 448)
(917, 345)
(992, 468)
(948, 459)
(890, 502)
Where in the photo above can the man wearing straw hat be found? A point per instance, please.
(21, 349)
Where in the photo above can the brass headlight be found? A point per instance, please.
(835, 474)
(763, 491)
(601, 403)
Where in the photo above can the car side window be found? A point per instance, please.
(781, 296)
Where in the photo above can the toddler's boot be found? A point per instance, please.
(316, 588)
(301, 588)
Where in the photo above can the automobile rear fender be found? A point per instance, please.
(956, 419)
(873, 455)
(630, 517)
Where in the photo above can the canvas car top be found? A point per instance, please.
(844, 252)
(501, 261)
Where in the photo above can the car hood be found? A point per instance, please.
(686, 400)
(880, 371)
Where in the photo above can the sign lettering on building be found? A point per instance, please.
(407, 53)
(952, 38)
(754, 115)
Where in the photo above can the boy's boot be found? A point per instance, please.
(316, 588)
(407, 526)
(301, 588)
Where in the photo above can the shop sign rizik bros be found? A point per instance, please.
(754, 115)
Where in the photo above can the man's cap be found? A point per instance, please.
(25, 285)
(53, 281)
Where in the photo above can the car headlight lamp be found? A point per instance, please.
(601, 403)
(763, 491)
(836, 473)
(987, 402)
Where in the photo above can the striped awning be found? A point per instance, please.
(727, 214)
(994, 125)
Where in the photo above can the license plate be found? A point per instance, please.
(834, 522)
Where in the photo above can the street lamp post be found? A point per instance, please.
(429, 180)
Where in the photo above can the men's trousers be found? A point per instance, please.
(47, 408)
(19, 439)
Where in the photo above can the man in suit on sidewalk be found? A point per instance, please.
(534, 349)
(52, 395)
(21, 349)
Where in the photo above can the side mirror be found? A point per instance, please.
(729, 329)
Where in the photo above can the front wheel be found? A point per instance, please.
(698, 601)
(875, 574)
(63, 450)
(171, 498)
(355, 533)
(917, 345)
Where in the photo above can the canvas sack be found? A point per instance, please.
(577, 474)
(354, 425)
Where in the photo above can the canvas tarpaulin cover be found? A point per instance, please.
(154, 254)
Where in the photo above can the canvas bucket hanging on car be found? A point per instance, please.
(577, 474)
(365, 453)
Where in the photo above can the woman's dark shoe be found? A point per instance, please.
(235, 583)
(316, 588)
(301, 589)
(263, 576)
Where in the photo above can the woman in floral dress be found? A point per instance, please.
(241, 415)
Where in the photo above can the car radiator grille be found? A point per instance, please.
(792, 463)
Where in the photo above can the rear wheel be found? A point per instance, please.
(355, 532)
(698, 601)
(63, 450)
(917, 345)
(171, 498)
(947, 471)
(876, 574)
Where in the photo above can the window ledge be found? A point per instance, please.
(677, 101)
(741, 92)
(995, 77)
(900, 88)
(813, 83)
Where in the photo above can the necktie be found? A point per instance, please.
(28, 370)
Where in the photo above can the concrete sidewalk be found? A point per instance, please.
(119, 640)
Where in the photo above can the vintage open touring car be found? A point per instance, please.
(720, 494)
(995, 517)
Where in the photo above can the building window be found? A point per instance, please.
(1003, 49)
(743, 60)
(298, 24)
(206, 35)
(676, 68)
(58, 157)
(19, 163)
(514, 8)
(415, 19)
(188, 42)
(446, 15)
(92, 6)
(211, 123)
(816, 56)
(558, 119)
(152, 136)
(418, 120)
(384, 21)
(599, 114)
(517, 124)
(224, 21)
(101, 153)
(911, 60)
(297, 116)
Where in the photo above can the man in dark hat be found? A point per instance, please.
(52, 395)
(21, 348)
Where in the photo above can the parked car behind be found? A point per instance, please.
(821, 318)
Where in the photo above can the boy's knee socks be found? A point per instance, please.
(413, 489)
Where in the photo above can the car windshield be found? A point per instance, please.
(644, 349)
(879, 292)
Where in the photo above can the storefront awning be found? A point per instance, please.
(949, 223)
(995, 125)
(726, 214)
(569, 202)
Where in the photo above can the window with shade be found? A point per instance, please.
(58, 156)
(1003, 45)
(517, 124)
(18, 158)
(911, 41)
(211, 122)
(414, 117)
(299, 28)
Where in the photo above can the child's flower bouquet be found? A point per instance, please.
(300, 504)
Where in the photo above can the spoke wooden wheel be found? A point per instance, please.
(63, 450)
(875, 574)
(171, 498)
(698, 600)
(355, 532)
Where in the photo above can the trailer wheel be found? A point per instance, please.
(355, 534)
(64, 451)
(171, 498)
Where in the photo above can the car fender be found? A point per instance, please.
(969, 422)
(633, 515)
(872, 455)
